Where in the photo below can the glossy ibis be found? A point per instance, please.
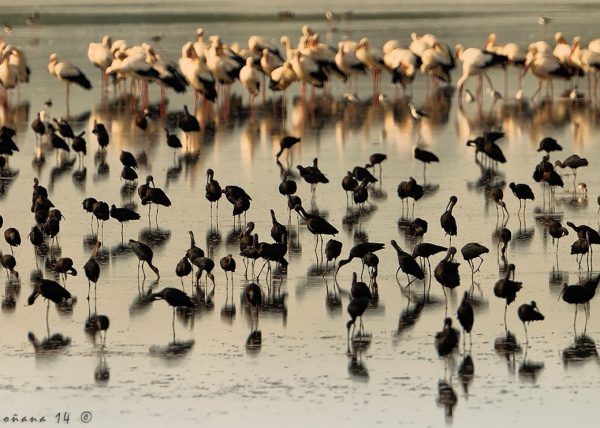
(144, 254)
(527, 313)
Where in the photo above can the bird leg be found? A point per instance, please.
(505, 308)
(480, 263)
(526, 337)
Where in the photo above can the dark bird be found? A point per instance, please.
(227, 263)
(286, 143)
(361, 295)
(213, 190)
(333, 249)
(359, 251)
(557, 231)
(58, 143)
(504, 235)
(9, 263)
(12, 238)
(361, 174)
(102, 212)
(79, 145)
(144, 254)
(38, 127)
(173, 141)
(88, 206)
(239, 199)
(141, 119)
(574, 162)
(446, 272)
(129, 174)
(528, 313)
(64, 267)
(174, 298)
(101, 134)
(349, 184)
(183, 268)
(278, 230)
(497, 194)
(36, 237)
(123, 215)
(287, 187)
(92, 269)
(447, 339)
(410, 189)
(312, 174)
(471, 251)
(194, 251)
(426, 250)
(317, 225)
(549, 144)
(50, 290)
(580, 294)
(127, 159)
(507, 289)
(465, 315)
(376, 159)
(426, 157)
(188, 123)
(250, 252)
(522, 192)
(204, 264)
(447, 220)
(154, 195)
(418, 227)
(101, 324)
(407, 264)
(64, 128)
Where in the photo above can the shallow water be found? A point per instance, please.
(301, 374)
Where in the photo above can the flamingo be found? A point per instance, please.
(68, 73)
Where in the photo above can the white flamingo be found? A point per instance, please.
(101, 56)
(372, 58)
(475, 62)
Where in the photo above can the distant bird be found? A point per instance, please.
(522, 192)
(361, 295)
(376, 159)
(557, 231)
(38, 126)
(154, 195)
(9, 263)
(446, 272)
(507, 289)
(128, 159)
(12, 238)
(528, 313)
(407, 264)
(92, 268)
(188, 123)
(333, 249)
(504, 236)
(358, 251)
(418, 227)
(317, 225)
(183, 268)
(574, 162)
(51, 291)
(101, 324)
(278, 230)
(447, 220)
(349, 184)
(286, 143)
(123, 215)
(580, 294)
(426, 157)
(213, 190)
(465, 314)
(549, 144)
(174, 298)
(544, 20)
(471, 251)
(446, 340)
(173, 141)
(101, 134)
(228, 264)
(144, 254)
(312, 175)
(64, 266)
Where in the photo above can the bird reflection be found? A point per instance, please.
(79, 177)
(356, 367)
(101, 372)
(466, 372)
(582, 350)
(409, 316)
(155, 238)
(508, 347)
(446, 398)
(529, 370)
(50, 343)
(172, 349)
(141, 303)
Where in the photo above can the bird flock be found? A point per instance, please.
(210, 69)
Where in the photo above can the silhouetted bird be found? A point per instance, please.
(528, 313)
